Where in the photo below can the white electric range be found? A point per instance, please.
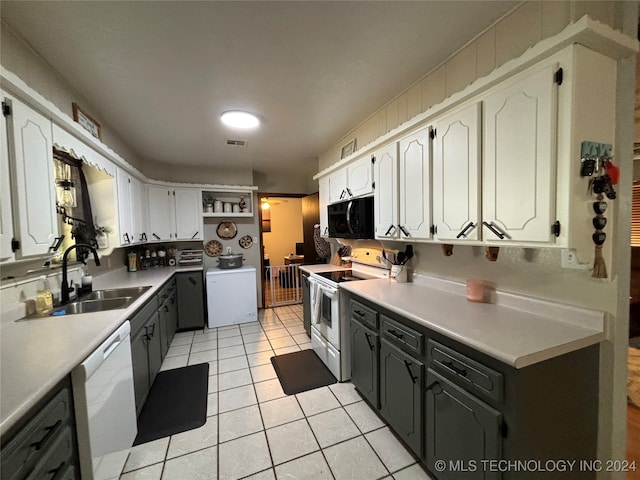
(329, 312)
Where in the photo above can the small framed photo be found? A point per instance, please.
(348, 149)
(86, 121)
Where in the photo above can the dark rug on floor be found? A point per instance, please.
(176, 403)
(301, 371)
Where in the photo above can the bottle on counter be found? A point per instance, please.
(133, 262)
(44, 297)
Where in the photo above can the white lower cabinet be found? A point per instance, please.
(174, 213)
(30, 148)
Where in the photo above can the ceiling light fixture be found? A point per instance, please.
(239, 119)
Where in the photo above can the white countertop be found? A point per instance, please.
(36, 354)
(516, 330)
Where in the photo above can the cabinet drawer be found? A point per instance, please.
(36, 438)
(467, 372)
(402, 335)
(57, 461)
(363, 314)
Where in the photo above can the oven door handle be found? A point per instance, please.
(349, 207)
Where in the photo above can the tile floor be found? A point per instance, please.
(255, 431)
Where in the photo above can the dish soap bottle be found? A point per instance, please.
(44, 298)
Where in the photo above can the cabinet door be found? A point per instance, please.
(31, 142)
(190, 300)
(172, 315)
(338, 186)
(138, 203)
(188, 214)
(359, 178)
(456, 175)
(125, 220)
(154, 342)
(6, 216)
(401, 394)
(161, 213)
(415, 191)
(519, 159)
(364, 361)
(163, 325)
(459, 429)
(323, 194)
(140, 361)
(385, 175)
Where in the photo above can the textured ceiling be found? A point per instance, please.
(160, 73)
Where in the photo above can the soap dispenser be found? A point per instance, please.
(44, 297)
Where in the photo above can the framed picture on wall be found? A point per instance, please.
(348, 149)
(86, 121)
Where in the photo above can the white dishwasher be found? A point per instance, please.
(105, 407)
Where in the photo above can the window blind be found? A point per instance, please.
(635, 215)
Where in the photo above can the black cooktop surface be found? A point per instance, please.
(344, 276)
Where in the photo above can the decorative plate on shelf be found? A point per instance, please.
(246, 241)
(227, 229)
(213, 248)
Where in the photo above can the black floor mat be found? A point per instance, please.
(176, 403)
(301, 371)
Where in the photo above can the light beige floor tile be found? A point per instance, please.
(345, 392)
(232, 364)
(153, 472)
(414, 472)
(317, 401)
(234, 379)
(290, 441)
(232, 332)
(305, 346)
(201, 357)
(239, 423)
(260, 358)
(254, 337)
(213, 368)
(285, 350)
(332, 427)
(147, 454)
(301, 338)
(200, 465)
(282, 342)
(309, 467)
(206, 337)
(204, 346)
(213, 384)
(212, 404)
(177, 350)
(250, 327)
(264, 475)
(193, 440)
(277, 333)
(188, 334)
(256, 347)
(279, 411)
(364, 417)
(170, 363)
(229, 352)
(181, 341)
(393, 454)
(269, 390)
(236, 398)
(263, 372)
(229, 342)
(354, 460)
(297, 330)
(244, 456)
(272, 325)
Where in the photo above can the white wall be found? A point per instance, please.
(534, 272)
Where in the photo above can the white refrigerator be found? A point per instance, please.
(231, 296)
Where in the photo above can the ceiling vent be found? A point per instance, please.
(237, 143)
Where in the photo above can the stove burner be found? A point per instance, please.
(343, 276)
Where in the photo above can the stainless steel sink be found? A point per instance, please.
(88, 306)
(133, 292)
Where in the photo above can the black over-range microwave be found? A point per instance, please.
(351, 218)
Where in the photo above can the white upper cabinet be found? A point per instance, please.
(519, 159)
(323, 194)
(415, 186)
(174, 213)
(354, 180)
(34, 215)
(125, 209)
(6, 218)
(385, 174)
(188, 214)
(456, 175)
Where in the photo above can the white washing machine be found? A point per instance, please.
(232, 296)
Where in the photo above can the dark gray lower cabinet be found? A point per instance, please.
(168, 317)
(460, 430)
(191, 313)
(140, 361)
(401, 393)
(364, 361)
(154, 342)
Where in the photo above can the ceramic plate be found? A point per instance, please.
(246, 241)
(213, 248)
(227, 229)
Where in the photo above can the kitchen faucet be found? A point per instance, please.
(64, 290)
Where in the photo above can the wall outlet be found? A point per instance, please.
(570, 260)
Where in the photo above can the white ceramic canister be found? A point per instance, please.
(227, 207)
(398, 273)
(217, 206)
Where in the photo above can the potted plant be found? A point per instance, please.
(102, 236)
(207, 201)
